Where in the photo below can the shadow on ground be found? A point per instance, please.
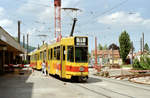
(93, 80)
(90, 80)
(15, 86)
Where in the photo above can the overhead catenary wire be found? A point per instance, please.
(104, 13)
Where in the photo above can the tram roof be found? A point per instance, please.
(65, 40)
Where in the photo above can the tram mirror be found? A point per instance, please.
(65, 52)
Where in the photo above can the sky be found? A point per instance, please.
(105, 19)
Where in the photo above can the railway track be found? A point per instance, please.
(131, 85)
(108, 90)
(101, 90)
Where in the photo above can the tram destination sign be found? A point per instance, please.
(81, 41)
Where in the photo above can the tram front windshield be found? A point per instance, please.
(81, 54)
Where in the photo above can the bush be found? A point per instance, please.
(25, 62)
(143, 64)
(136, 64)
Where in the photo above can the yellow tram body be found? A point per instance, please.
(41, 55)
(67, 58)
(32, 59)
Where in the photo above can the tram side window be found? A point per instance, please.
(64, 53)
(35, 57)
(40, 55)
(55, 53)
(70, 54)
(44, 58)
(58, 53)
(51, 54)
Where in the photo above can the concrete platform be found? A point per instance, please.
(36, 85)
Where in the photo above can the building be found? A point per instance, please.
(10, 50)
(107, 57)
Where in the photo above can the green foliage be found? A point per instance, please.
(146, 47)
(89, 54)
(136, 64)
(105, 47)
(125, 45)
(100, 47)
(25, 61)
(143, 64)
(113, 46)
(31, 48)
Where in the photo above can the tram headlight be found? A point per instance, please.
(82, 68)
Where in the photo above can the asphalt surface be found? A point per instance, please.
(36, 85)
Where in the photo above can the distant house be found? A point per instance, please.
(106, 57)
(139, 53)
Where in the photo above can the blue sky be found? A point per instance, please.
(95, 19)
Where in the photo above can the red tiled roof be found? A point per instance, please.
(106, 53)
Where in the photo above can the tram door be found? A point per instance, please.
(63, 58)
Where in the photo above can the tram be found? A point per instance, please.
(67, 58)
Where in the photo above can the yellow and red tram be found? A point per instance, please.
(67, 58)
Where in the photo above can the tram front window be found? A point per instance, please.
(70, 56)
(81, 54)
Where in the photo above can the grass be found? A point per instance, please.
(126, 66)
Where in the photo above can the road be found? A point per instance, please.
(36, 85)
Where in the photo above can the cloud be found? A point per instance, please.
(70, 3)
(43, 10)
(124, 18)
(47, 14)
(33, 8)
(1, 11)
(3, 21)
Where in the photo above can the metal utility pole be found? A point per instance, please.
(141, 44)
(143, 41)
(112, 56)
(57, 12)
(43, 42)
(132, 53)
(96, 65)
(19, 32)
(38, 46)
(27, 47)
(23, 41)
(95, 51)
(27, 43)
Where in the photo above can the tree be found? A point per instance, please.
(146, 47)
(125, 45)
(100, 47)
(113, 46)
(105, 47)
